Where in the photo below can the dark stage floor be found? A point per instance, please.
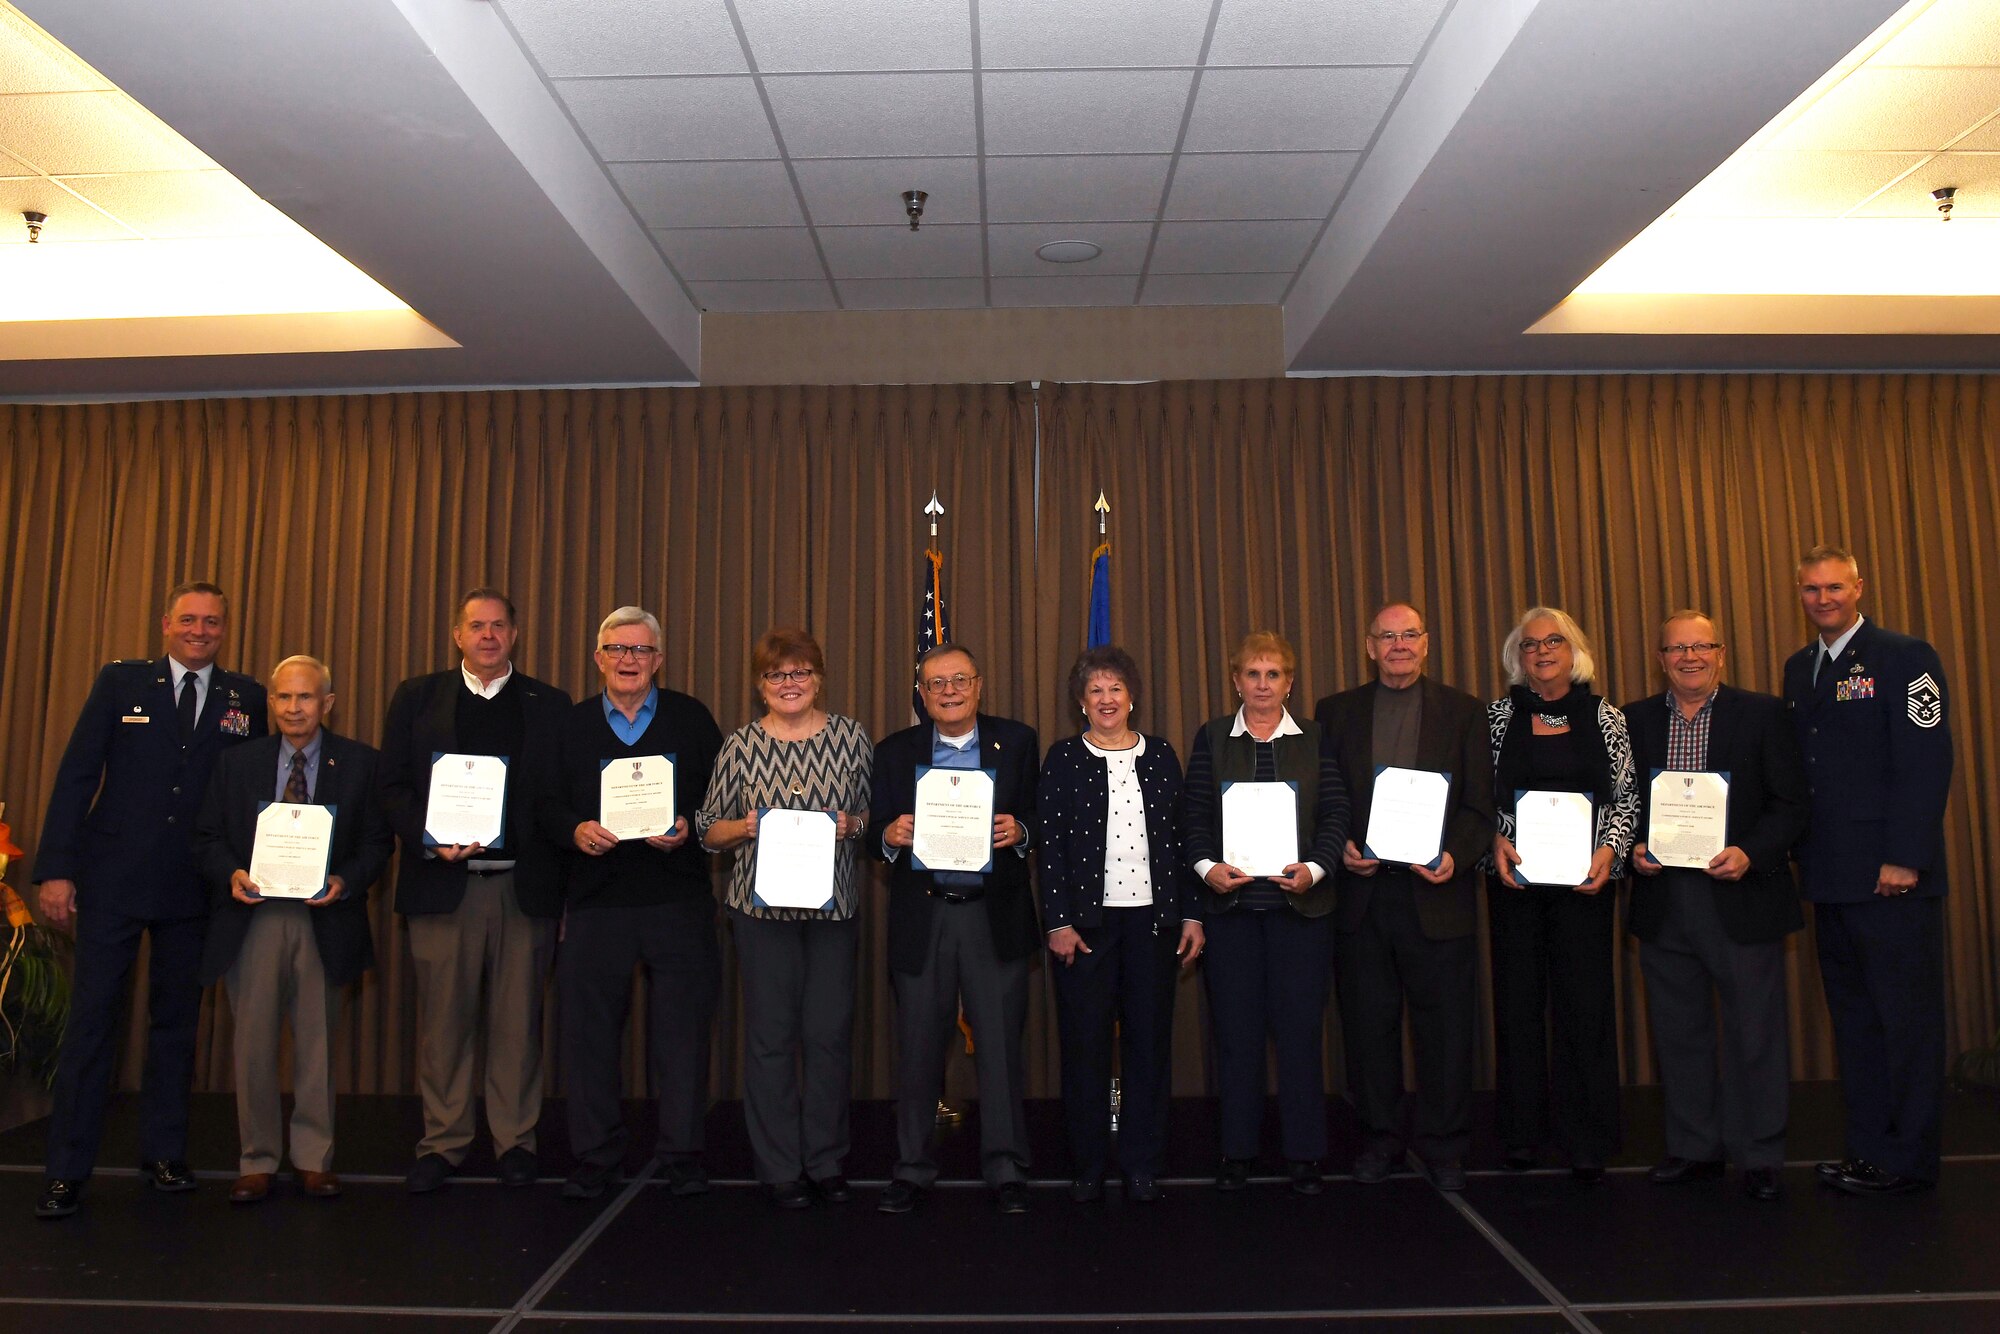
(1528, 1253)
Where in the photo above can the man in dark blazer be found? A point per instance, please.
(1870, 710)
(1403, 934)
(289, 956)
(1718, 932)
(482, 919)
(115, 863)
(958, 938)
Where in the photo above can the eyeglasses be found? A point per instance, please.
(959, 681)
(1546, 641)
(799, 674)
(1688, 650)
(1393, 637)
(628, 652)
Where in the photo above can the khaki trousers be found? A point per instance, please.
(482, 965)
(278, 974)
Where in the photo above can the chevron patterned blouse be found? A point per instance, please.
(829, 770)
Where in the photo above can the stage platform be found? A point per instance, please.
(1515, 1254)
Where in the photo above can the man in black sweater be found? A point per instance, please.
(643, 898)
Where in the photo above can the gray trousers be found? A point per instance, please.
(277, 975)
(482, 965)
(798, 1026)
(961, 969)
(1734, 1103)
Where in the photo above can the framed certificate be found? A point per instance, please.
(468, 801)
(1688, 823)
(954, 819)
(1260, 827)
(292, 851)
(635, 796)
(1555, 833)
(1406, 816)
(794, 859)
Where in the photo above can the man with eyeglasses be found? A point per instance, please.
(481, 917)
(634, 901)
(1404, 933)
(958, 937)
(1869, 707)
(1716, 934)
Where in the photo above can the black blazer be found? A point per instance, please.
(1074, 800)
(1451, 738)
(1011, 750)
(422, 721)
(246, 776)
(1750, 738)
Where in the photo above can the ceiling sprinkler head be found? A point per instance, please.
(1945, 195)
(913, 204)
(34, 221)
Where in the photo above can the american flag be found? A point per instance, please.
(933, 622)
(1099, 632)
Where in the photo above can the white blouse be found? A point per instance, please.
(1128, 872)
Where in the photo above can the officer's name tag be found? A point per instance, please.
(135, 718)
(1853, 687)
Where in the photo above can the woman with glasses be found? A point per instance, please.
(797, 964)
(1552, 942)
(1270, 934)
(1119, 913)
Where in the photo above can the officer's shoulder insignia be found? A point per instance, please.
(1926, 702)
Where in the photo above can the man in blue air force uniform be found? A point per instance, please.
(1870, 709)
(116, 863)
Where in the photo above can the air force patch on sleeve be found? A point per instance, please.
(1926, 702)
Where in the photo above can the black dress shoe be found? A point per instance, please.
(1086, 1190)
(834, 1189)
(1761, 1183)
(1846, 1166)
(1674, 1171)
(686, 1176)
(428, 1173)
(1375, 1164)
(1011, 1197)
(58, 1198)
(1868, 1179)
(1447, 1174)
(517, 1167)
(1519, 1160)
(1306, 1179)
(167, 1174)
(899, 1197)
(1234, 1174)
(1142, 1190)
(587, 1182)
(789, 1195)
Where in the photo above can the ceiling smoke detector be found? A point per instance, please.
(1068, 252)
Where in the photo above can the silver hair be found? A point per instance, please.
(306, 660)
(631, 616)
(1583, 671)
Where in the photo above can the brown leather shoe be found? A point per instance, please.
(250, 1188)
(323, 1184)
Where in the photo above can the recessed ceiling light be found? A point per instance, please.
(1068, 252)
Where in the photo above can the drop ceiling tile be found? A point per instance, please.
(1794, 185)
(793, 35)
(1259, 185)
(1950, 32)
(665, 120)
(11, 167)
(1910, 109)
(1984, 139)
(912, 293)
(1011, 248)
(568, 37)
(1313, 32)
(68, 221)
(182, 204)
(709, 194)
(1214, 289)
(33, 62)
(874, 115)
(1074, 189)
(1066, 290)
(1314, 109)
(67, 134)
(1232, 247)
(1976, 175)
(1123, 111)
(750, 298)
(861, 191)
(898, 252)
(706, 254)
(1067, 34)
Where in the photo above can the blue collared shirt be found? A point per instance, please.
(629, 730)
(285, 752)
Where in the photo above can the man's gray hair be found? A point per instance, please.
(306, 660)
(631, 616)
